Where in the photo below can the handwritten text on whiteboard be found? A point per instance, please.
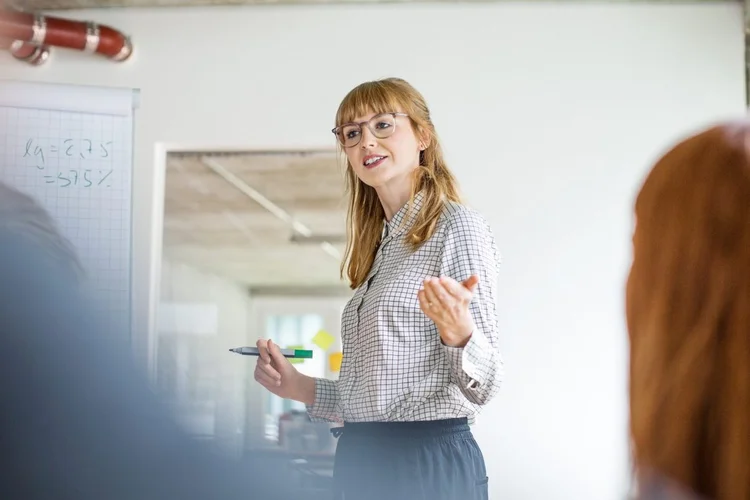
(84, 151)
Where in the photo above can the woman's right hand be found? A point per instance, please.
(274, 372)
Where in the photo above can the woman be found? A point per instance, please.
(688, 311)
(419, 335)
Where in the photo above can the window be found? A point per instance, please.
(293, 330)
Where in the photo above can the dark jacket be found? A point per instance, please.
(78, 420)
(658, 487)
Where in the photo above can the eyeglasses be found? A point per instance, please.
(381, 126)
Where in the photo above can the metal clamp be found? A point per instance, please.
(36, 57)
(39, 30)
(93, 37)
(125, 51)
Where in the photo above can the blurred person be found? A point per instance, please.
(420, 335)
(688, 316)
(23, 218)
(78, 420)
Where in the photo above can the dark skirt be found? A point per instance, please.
(432, 460)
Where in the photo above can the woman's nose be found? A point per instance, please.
(368, 138)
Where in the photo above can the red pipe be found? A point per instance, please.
(24, 51)
(40, 31)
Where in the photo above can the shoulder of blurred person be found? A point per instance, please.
(79, 420)
(659, 487)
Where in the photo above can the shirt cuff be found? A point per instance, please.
(326, 401)
(466, 361)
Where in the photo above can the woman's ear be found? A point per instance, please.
(424, 141)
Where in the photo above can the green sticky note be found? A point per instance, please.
(323, 339)
(295, 361)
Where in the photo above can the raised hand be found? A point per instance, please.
(446, 302)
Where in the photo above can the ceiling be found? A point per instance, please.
(267, 219)
(89, 4)
(30, 5)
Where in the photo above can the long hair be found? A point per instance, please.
(365, 213)
(24, 217)
(688, 315)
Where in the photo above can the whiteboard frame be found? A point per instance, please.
(93, 99)
(96, 99)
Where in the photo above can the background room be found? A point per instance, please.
(549, 115)
(252, 246)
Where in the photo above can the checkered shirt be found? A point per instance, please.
(395, 367)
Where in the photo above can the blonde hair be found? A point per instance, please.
(22, 215)
(365, 213)
(688, 314)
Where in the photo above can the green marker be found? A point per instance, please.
(287, 353)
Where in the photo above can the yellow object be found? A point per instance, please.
(323, 339)
(295, 361)
(334, 361)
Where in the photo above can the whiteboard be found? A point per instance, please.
(71, 148)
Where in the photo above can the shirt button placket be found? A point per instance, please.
(375, 268)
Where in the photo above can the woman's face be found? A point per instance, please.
(387, 157)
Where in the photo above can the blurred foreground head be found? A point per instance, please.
(24, 218)
(77, 419)
(688, 312)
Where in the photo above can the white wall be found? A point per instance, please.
(549, 115)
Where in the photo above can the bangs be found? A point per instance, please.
(369, 97)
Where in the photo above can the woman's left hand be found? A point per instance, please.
(446, 302)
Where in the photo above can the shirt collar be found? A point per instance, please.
(398, 222)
